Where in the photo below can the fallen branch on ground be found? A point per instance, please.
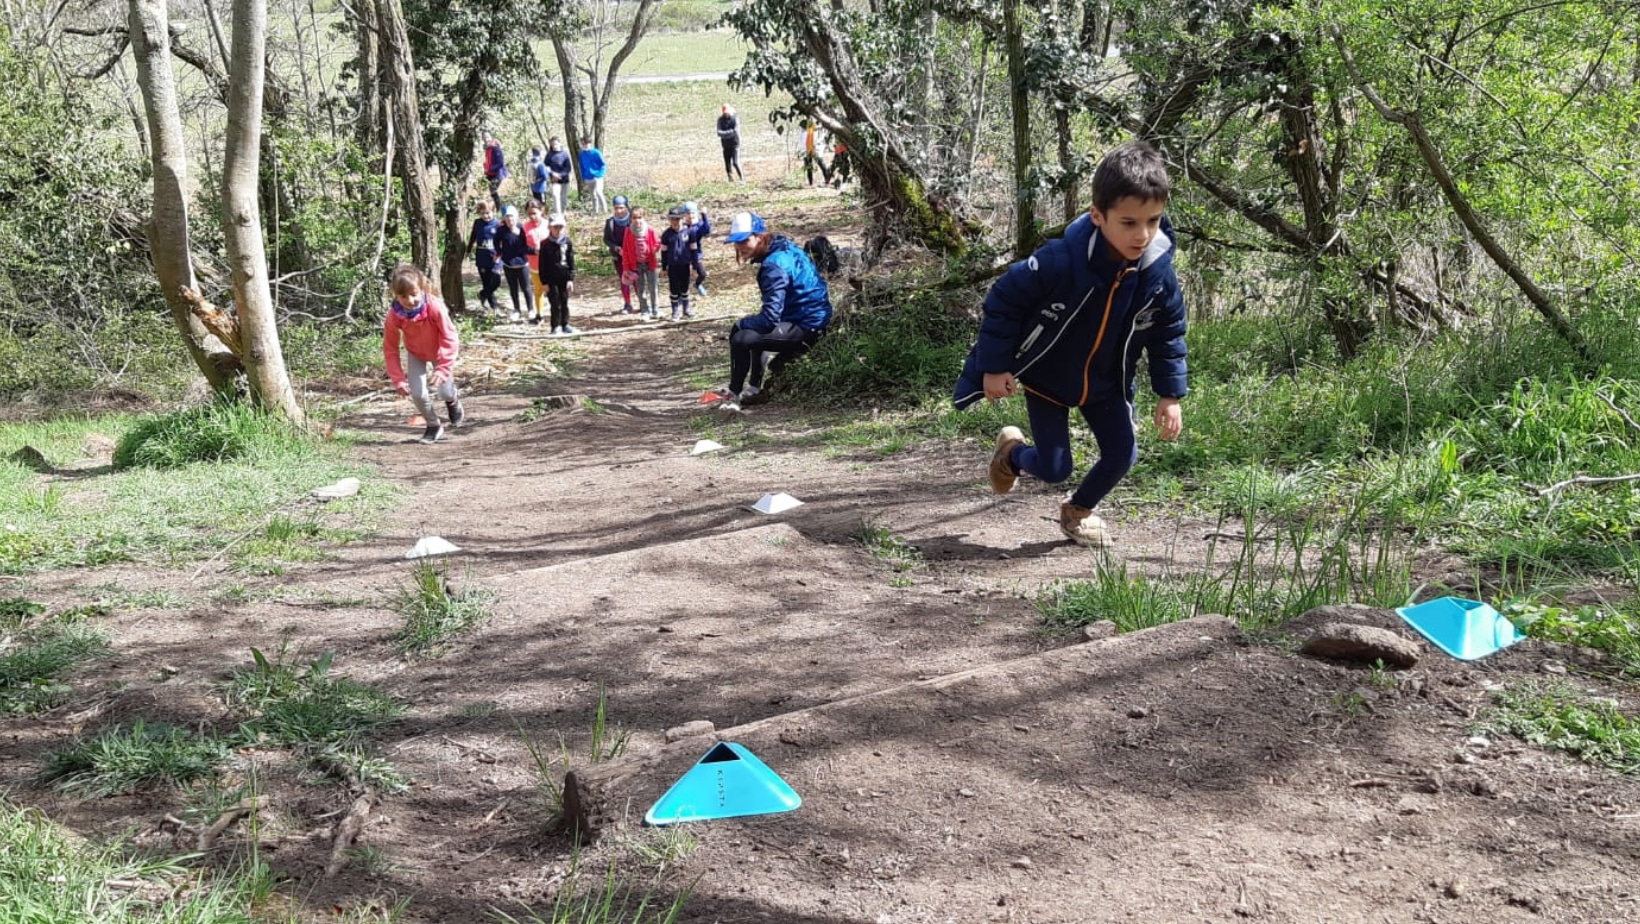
(1584, 479)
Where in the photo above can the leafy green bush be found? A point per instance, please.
(888, 354)
(215, 432)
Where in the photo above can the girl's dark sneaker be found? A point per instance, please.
(432, 433)
(457, 413)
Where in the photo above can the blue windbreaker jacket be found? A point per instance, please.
(792, 290)
(1070, 321)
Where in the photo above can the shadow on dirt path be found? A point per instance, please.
(1153, 777)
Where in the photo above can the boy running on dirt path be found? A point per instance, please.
(1067, 326)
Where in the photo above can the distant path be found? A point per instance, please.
(673, 78)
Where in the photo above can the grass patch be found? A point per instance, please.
(305, 706)
(435, 612)
(320, 716)
(893, 551)
(217, 432)
(166, 516)
(609, 899)
(128, 757)
(49, 874)
(605, 742)
(1559, 718)
(1281, 570)
(35, 659)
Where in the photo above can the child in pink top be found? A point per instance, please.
(640, 264)
(418, 318)
(535, 231)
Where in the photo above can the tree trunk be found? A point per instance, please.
(241, 218)
(1062, 134)
(168, 239)
(463, 147)
(369, 129)
(410, 161)
(575, 103)
(1024, 205)
(885, 172)
(642, 19)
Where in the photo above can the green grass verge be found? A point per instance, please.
(50, 875)
(170, 516)
(1559, 718)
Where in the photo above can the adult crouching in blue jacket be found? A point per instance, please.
(1066, 326)
(795, 313)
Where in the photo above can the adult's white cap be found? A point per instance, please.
(743, 226)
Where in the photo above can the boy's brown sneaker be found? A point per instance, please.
(1082, 527)
(1003, 473)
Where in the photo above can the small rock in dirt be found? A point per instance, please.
(1553, 667)
(1454, 889)
(689, 730)
(1362, 644)
(1094, 631)
(98, 447)
(1138, 712)
(1478, 742)
(1022, 863)
(967, 793)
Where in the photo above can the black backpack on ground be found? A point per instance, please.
(824, 256)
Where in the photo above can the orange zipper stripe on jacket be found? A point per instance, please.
(1087, 367)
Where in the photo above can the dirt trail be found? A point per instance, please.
(1134, 781)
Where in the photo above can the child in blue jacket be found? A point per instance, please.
(700, 228)
(481, 240)
(1066, 326)
(675, 260)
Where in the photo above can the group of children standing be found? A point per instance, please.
(639, 256)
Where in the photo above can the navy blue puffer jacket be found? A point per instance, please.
(1070, 321)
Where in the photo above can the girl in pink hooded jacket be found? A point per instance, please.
(419, 319)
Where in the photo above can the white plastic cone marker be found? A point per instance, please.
(776, 503)
(347, 487)
(702, 447)
(431, 545)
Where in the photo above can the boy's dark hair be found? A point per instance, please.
(1131, 169)
(824, 255)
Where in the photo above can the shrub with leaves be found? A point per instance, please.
(215, 432)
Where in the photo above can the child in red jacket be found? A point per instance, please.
(419, 319)
(640, 261)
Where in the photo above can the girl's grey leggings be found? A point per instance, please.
(417, 370)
